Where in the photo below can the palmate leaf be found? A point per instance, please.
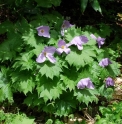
(6, 26)
(21, 119)
(105, 30)
(95, 71)
(86, 95)
(49, 70)
(69, 79)
(72, 32)
(33, 100)
(69, 83)
(9, 47)
(49, 89)
(29, 38)
(5, 89)
(24, 61)
(54, 38)
(114, 69)
(22, 26)
(81, 58)
(23, 81)
(65, 105)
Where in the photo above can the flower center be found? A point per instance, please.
(45, 53)
(62, 47)
(42, 31)
(63, 26)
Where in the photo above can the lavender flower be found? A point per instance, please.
(62, 47)
(43, 31)
(79, 41)
(86, 82)
(109, 82)
(99, 40)
(47, 53)
(105, 62)
(65, 26)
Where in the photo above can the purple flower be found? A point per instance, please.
(47, 53)
(64, 26)
(79, 41)
(105, 62)
(62, 47)
(43, 31)
(99, 40)
(109, 82)
(86, 82)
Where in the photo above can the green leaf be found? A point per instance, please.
(49, 70)
(83, 5)
(23, 80)
(69, 79)
(6, 26)
(114, 69)
(104, 73)
(64, 106)
(49, 121)
(9, 47)
(81, 58)
(54, 38)
(48, 3)
(20, 119)
(38, 49)
(26, 86)
(96, 6)
(49, 89)
(29, 38)
(5, 89)
(22, 26)
(33, 100)
(105, 30)
(25, 61)
(72, 32)
(86, 95)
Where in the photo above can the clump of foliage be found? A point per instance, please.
(111, 114)
(10, 118)
(50, 80)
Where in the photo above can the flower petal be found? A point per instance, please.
(86, 82)
(67, 50)
(41, 58)
(61, 43)
(84, 39)
(66, 24)
(59, 50)
(43, 31)
(90, 85)
(51, 58)
(105, 62)
(50, 49)
(109, 82)
(101, 64)
(80, 85)
(76, 40)
(93, 36)
(100, 41)
(80, 47)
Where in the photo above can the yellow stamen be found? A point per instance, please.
(42, 31)
(63, 25)
(62, 47)
(45, 53)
